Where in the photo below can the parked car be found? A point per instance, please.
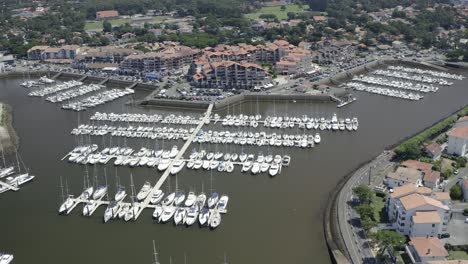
(446, 235)
(466, 220)
(456, 172)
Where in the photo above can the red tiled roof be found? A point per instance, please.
(459, 132)
(462, 119)
(433, 148)
(432, 177)
(107, 13)
(428, 247)
(415, 164)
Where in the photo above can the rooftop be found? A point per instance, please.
(409, 189)
(428, 247)
(416, 200)
(406, 174)
(107, 13)
(418, 165)
(432, 177)
(455, 261)
(433, 148)
(441, 196)
(459, 132)
(429, 217)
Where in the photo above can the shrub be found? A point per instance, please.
(456, 192)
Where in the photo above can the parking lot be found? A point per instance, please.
(458, 230)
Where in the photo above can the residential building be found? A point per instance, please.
(431, 178)
(168, 60)
(402, 191)
(462, 121)
(35, 53)
(403, 176)
(443, 197)
(406, 220)
(94, 57)
(62, 54)
(297, 61)
(433, 150)
(332, 51)
(457, 141)
(106, 15)
(425, 249)
(128, 36)
(228, 74)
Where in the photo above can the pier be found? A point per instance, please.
(166, 174)
(4, 184)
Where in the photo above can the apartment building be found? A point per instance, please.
(297, 61)
(35, 53)
(332, 51)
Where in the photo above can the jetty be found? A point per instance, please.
(6, 185)
(167, 172)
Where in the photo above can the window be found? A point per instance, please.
(433, 225)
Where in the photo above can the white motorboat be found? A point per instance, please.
(274, 169)
(264, 167)
(69, 202)
(179, 198)
(255, 168)
(222, 166)
(204, 216)
(227, 157)
(214, 197)
(210, 156)
(229, 167)
(100, 192)
(134, 161)
(6, 258)
(111, 210)
(286, 160)
(158, 210)
(222, 203)
(120, 194)
(242, 157)
(234, 157)
(197, 164)
(277, 159)
(132, 212)
(152, 161)
(164, 164)
(177, 166)
(119, 160)
(173, 152)
(206, 164)
(23, 178)
(218, 155)
(190, 164)
(215, 219)
(143, 161)
(191, 198)
(317, 138)
(269, 158)
(179, 215)
(214, 164)
(144, 191)
(157, 197)
(167, 213)
(201, 200)
(89, 207)
(191, 216)
(246, 166)
(169, 199)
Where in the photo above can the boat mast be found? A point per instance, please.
(3, 154)
(155, 253)
(105, 178)
(17, 161)
(132, 187)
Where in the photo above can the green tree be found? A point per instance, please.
(106, 26)
(283, 8)
(389, 237)
(365, 211)
(364, 193)
(456, 192)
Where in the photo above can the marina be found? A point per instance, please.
(56, 88)
(72, 93)
(97, 99)
(402, 82)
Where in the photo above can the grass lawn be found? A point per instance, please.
(458, 255)
(276, 10)
(117, 22)
(379, 210)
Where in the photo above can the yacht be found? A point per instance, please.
(317, 138)
(255, 168)
(191, 198)
(204, 216)
(286, 160)
(119, 160)
(222, 203)
(246, 166)
(264, 167)
(190, 164)
(177, 166)
(67, 204)
(242, 157)
(274, 169)
(214, 164)
(87, 193)
(229, 167)
(100, 192)
(210, 156)
(158, 210)
(206, 164)
(169, 199)
(277, 159)
(167, 213)
(179, 198)
(89, 207)
(269, 158)
(164, 164)
(143, 161)
(111, 210)
(120, 194)
(179, 216)
(197, 164)
(191, 217)
(215, 219)
(173, 152)
(213, 199)
(145, 190)
(6, 258)
(201, 200)
(157, 197)
(234, 156)
(132, 212)
(23, 178)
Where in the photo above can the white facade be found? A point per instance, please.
(457, 145)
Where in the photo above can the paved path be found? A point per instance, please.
(348, 220)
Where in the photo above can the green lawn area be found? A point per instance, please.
(93, 25)
(458, 255)
(379, 210)
(276, 10)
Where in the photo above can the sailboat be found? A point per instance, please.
(68, 203)
(133, 210)
(5, 171)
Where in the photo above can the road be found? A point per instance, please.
(348, 219)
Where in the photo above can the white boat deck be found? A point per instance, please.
(9, 186)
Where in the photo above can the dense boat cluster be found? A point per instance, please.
(134, 131)
(43, 80)
(416, 78)
(384, 91)
(423, 88)
(146, 118)
(97, 99)
(73, 93)
(56, 88)
(428, 72)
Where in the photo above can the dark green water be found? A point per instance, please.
(270, 220)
